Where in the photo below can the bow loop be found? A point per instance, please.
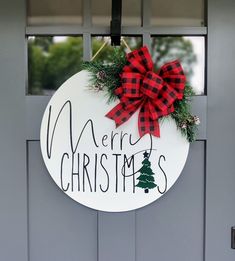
(173, 74)
(177, 82)
(139, 61)
(171, 68)
(153, 93)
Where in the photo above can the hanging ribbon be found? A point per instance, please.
(153, 93)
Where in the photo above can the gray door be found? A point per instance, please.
(191, 222)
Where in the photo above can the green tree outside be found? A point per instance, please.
(36, 67)
(64, 59)
(169, 48)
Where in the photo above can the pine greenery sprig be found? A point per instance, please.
(185, 121)
(106, 77)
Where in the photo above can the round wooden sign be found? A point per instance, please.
(98, 165)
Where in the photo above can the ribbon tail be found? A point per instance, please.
(146, 124)
(119, 114)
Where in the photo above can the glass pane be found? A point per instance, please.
(189, 50)
(106, 53)
(51, 61)
(177, 13)
(131, 12)
(51, 12)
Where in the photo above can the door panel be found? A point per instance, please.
(220, 193)
(116, 239)
(13, 188)
(59, 228)
(172, 227)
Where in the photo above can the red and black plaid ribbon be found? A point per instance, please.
(153, 93)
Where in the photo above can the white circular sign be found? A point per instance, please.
(98, 165)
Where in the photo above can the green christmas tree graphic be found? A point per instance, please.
(146, 179)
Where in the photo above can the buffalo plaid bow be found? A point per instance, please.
(153, 93)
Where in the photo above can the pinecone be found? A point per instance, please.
(101, 75)
(196, 120)
(98, 87)
(183, 125)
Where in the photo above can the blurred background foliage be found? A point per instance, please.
(165, 49)
(52, 60)
(51, 63)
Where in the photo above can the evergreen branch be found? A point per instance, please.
(185, 121)
(107, 76)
